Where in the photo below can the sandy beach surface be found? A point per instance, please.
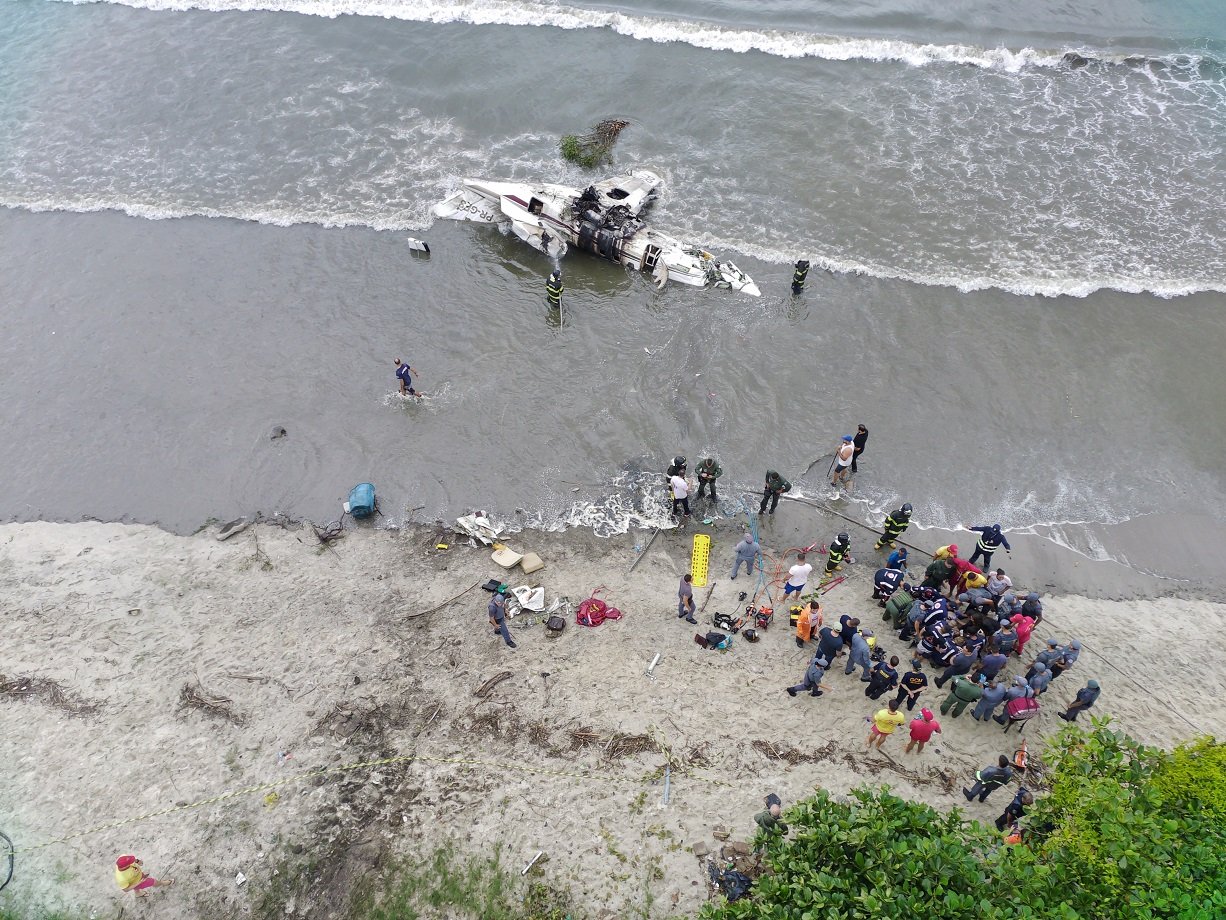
(144, 671)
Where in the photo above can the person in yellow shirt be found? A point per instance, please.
(884, 722)
(130, 876)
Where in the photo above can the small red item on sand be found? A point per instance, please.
(593, 611)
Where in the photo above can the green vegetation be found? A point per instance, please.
(1122, 832)
(478, 887)
(12, 913)
(594, 148)
(1127, 832)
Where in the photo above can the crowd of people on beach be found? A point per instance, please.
(963, 622)
(844, 464)
(968, 627)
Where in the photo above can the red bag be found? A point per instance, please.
(1021, 709)
(594, 611)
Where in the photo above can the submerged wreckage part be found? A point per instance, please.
(603, 219)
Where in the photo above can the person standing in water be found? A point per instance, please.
(404, 373)
(842, 461)
(708, 471)
(775, 486)
(681, 495)
(859, 442)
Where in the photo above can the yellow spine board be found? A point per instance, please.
(699, 559)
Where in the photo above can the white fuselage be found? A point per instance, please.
(603, 220)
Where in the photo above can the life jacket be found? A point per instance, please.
(1020, 756)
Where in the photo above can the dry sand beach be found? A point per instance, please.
(143, 671)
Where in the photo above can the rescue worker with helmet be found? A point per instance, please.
(895, 524)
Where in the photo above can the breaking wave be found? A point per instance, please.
(707, 35)
(419, 220)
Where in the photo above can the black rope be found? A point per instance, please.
(1046, 616)
(11, 858)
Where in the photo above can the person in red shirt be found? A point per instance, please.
(1024, 626)
(961, 569)
(922, 729)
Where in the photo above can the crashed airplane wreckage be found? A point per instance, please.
(603, 220)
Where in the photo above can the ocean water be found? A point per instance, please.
(1014, 215)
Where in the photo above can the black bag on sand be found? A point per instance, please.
(734, 885)
(554, 625)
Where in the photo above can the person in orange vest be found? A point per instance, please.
(808, 622)
(130, 876)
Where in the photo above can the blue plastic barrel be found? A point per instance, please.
(362, 500)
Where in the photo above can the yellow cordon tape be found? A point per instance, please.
(344, 768)
(699, 559)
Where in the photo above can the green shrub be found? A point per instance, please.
(1126, 832)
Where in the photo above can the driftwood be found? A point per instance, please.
(595, 147)
(616, 745)
(193, 696)
(409, 616)
(639, 557)
(54, 694)
(486, 688)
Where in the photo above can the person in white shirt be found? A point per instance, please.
(798, 577)
(842, 461)
(681, 495)
(999, 584)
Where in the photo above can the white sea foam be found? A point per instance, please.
(270, 216)
(1046, 285)
(706, 35)
(418, 219)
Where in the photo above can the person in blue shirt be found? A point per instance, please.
(990, 540)
(498, 618)
(1086, 697)
(898, 559)
(993, 663)
(404, 374)
(993, 695)
(829, 643)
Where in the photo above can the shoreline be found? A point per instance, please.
(1178, 548)
(337, 655)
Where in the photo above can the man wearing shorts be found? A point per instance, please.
(922, 730)
(842, 460)
(130, 876)
(885, 721)
(798, 577)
